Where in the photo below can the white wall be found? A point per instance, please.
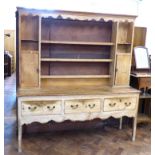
(142, 8)
(105, 6)
(146, 19)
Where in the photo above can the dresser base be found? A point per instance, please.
(43, 109)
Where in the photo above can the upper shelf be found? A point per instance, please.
(29, 40)
(78, 43)
(75, 60)
(124, 43)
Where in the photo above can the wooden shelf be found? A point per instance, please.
(77, 43)
(143, 118)
(145, 96)
(75, 60)
(124, 43)
(29, 40)
(74, 76)
(118, 53)
(140, 75)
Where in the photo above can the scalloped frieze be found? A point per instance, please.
(76, 117)
(88, 18)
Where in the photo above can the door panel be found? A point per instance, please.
(29, 76)
(122, 70)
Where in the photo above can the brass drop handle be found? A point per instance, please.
(32, 108)
(127, 104)
(74, 106)
(51, 108)
(112, 104)
(91, 106)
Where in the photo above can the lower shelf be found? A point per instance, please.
(143, 118)
(74, 76)
(74, 60)
(143, 96)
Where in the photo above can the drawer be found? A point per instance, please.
(41, 107)
(130, 103)
(74, 106)
(84, 105)
(31, 108)
(144, 82)
(92, 105)
(122, 103)
(52, 107)
(112, 104)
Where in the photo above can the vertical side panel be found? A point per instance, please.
(113, 52)
(17, 48)
(39, 47)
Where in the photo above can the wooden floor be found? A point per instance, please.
(92, 138)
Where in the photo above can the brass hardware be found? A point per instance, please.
(49, 108)
(112, 104)
(32, 108)
(91, 106)
(74, 106)
(127, 104)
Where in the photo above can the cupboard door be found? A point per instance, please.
(29, 75)
(122, 70)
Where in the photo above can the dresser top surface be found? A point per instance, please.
(66, 91)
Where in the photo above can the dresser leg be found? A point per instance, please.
(19, 137)
(134, 128)
(120, 123)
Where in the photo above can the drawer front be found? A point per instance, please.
(144, 82)
(118, 104)
(52, 107)
(129, 103)
(112, 104)
(92, 105)
(31, 108)
(74, 106)
(41, 107)
(84, 105)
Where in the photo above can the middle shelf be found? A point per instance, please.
(59, 51)
(74, 60)
(74, 76)
(77, 42)
(74, 68)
